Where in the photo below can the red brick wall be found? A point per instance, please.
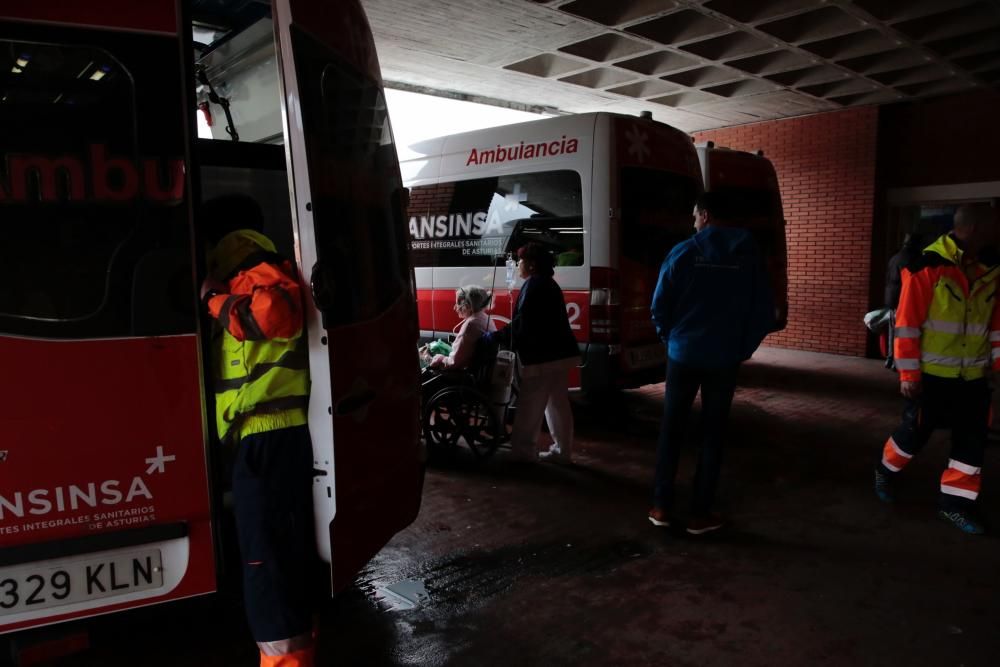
(425, 199)
(826, 170)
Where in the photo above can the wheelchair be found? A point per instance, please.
(464, 407)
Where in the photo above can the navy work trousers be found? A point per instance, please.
(272, 497)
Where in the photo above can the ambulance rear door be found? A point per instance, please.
(351, 245)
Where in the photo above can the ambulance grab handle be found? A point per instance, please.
(321, 286)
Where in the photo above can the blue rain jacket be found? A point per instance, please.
(713, 303)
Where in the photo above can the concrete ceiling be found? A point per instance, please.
(696, 64)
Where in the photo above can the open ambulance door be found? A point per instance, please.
(351, 248)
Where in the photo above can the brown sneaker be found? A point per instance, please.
(659, 518)
(704, 524)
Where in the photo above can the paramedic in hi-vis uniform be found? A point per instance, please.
(947, 340)
(261, 394)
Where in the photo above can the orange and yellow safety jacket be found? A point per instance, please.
(262, 369)
(947, 325)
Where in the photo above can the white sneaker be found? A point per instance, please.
(553, 450)
(555, 454)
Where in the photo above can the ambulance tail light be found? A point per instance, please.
(605, 305)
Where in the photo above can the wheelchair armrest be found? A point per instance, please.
(429, 375)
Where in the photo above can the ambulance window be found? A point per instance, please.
(476, 222)
(656, 212)
(85, 201)
(236, 63)
(354, 179)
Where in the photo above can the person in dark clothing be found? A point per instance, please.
(882, 320)
(712, 307)
(540, 334)
(910, 250)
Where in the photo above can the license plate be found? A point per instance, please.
(37, 586)
(648, 355)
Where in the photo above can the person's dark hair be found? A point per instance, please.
(221, 215)
(540, 258)
(712, 202)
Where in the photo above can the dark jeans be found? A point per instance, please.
(717, 388)
(963, 406)
(272, 498)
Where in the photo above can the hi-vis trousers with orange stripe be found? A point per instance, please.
(962, 405)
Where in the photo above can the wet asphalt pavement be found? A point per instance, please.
(513, 564)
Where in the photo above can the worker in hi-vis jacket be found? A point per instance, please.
(947, 341)
(261, 367)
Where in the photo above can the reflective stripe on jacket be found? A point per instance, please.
(946, 326)
(262, 369)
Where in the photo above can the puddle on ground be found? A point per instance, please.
(402, 595)
(422, 610)
(457, 583)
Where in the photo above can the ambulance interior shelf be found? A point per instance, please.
(562, 236)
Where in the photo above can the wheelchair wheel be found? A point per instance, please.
(441, 421)
(482, 429)
(461, 413)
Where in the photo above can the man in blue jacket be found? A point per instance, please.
(712, 308)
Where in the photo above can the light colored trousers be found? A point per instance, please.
(543, 391)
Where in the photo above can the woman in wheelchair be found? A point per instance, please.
(460, 401)
(470, 304)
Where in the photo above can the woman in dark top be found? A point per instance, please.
(546, 350)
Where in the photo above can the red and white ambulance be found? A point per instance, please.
(608, 194)
(111, 482)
